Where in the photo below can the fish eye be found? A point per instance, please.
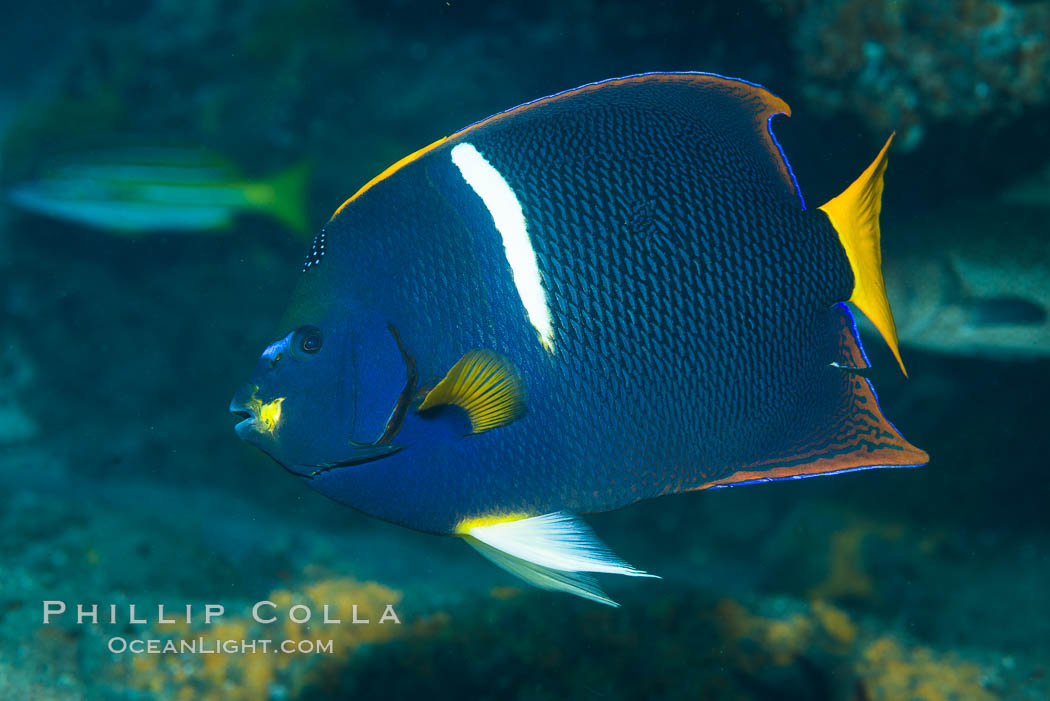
(309, 339)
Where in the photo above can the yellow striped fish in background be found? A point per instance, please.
(160, 189)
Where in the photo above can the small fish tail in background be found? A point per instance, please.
(290, 196)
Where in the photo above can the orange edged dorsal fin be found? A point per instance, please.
(486, 386)
(733, 102)
(855, 216)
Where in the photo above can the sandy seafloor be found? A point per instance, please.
(925, 583)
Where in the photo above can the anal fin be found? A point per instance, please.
(554, 551)
(847, 431)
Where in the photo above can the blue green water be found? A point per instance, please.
(123, 482)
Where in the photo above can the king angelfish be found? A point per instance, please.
(602, 296)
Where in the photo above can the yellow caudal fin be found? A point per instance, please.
(290, 198)
(855, 216)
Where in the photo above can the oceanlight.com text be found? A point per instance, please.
(206, 646)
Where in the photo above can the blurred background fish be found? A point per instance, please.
(1033, 191)
(142, 190)
(983, 296)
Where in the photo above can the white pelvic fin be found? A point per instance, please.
(544, 577)
(553, 551)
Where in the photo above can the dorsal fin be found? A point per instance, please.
(855, 216)
(747, 102)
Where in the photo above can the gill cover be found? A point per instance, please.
(855, 216)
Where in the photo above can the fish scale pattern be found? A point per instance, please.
(682, 268)
(693, 302)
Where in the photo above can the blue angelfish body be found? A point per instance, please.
(635, 258)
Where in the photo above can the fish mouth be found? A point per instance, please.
(247, 418)
(256, 415)
(244, 406)
(242, 414)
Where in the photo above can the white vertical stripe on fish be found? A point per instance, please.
(509, 219)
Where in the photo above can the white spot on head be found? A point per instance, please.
(509, 219)
(316, 250)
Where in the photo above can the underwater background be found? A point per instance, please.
(123, 481)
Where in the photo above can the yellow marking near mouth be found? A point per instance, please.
(268, 415)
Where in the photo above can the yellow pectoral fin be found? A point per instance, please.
(485, 385)
(855, 216)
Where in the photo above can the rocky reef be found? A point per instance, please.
(912, 65)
